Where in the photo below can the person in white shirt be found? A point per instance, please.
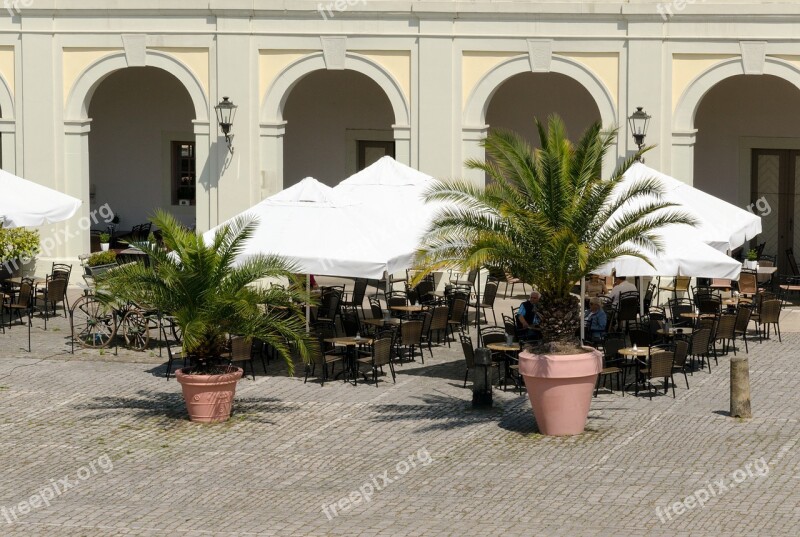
(621, 285)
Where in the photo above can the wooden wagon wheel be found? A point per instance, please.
(93, 323)
(135, 330)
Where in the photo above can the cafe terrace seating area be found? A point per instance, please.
(367, 330)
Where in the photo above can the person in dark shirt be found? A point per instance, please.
(528, 317)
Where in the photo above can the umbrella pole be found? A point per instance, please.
(583, 313)
(308, 299)
(478, 304)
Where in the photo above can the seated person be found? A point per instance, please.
(595, 286)
(528, 318)
(596, 321)
(621, 285)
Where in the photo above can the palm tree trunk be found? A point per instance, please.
(560, 318)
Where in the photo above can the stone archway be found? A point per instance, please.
(8, 128)
(684, 134)
(474, 127)
(273, 126)
(77, 125)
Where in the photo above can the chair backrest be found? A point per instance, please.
(612, 344)
(457, 310)
(681, 352)
(661, 364)
(25, 296)
(396, 299)
(241, 348)
(56, 289)
(792, 261)
(375, 307)
(748, 282)
(382, 351)
(359, 291)
(770, 311)
(709, 304)
(726, 326)
(510, 325)
(742, 318)
(351, 321)
(628, 306)
(682, 283)
(440, 316)
(677, 307)
(489, 294)
(700, 341)
(425, 291)
(426, 317)
(656, 313)
(493, 335)
(648, 295)
(469, 352)
(472, 275)
(411, 332)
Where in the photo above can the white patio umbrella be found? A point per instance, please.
(722, 225)
(24, 203)
(392, 198)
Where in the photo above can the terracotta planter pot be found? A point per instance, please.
(209, 398)
(560, 389)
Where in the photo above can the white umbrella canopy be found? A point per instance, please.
(24, 203)
(682, 255)
(722, 225)
(315, 228)
(393, 198)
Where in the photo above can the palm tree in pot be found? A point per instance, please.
(549, 218)
(210, 296)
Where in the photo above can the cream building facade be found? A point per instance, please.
(113, 102)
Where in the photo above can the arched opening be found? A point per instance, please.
(337, 122)
(748, 153)
(142, 153)
(526, 96)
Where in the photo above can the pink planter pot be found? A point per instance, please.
(560, 389)
(209, 398)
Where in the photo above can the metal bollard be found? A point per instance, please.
(482, 379)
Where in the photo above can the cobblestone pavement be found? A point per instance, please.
(99, 444)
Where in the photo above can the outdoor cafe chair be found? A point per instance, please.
(323, 355)
(53, 292)
(241, 351)
(510, 279)
(410, 338)
(677, 307)
(375, 308)
(438, 324)
(726, 331)
(748, 283)
(469, 282)
(380, 356)
(740, 328)
(659, 366)
(681, 349)
(487, 302)
(699, 347)
(456, 317)
(613, 363)
(469, 356)
(628, 309)
(792, 262)
(679, 284)
(356, 298)
(24, 301)
(769, 315)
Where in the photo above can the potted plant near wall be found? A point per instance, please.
(548, 216)
(210, 296)
(18, 250)
(751, 262)
(105, 240)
